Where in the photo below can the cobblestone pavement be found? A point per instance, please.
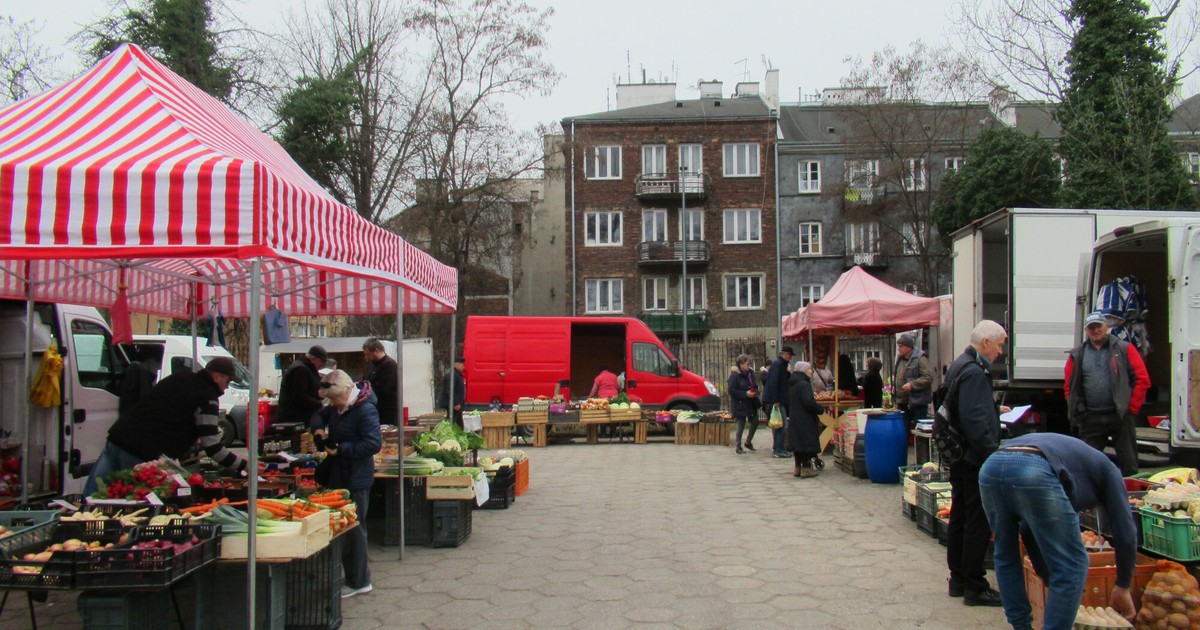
(660, 536)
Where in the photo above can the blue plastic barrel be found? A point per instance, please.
(887, 447)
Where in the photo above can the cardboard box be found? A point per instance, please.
(314, 536)
(441, 493)
(450, 481)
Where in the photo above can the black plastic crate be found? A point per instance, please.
(1096, 520)
(124, 611)
(418, 514)
(126, 567)
(927, 522)
(943, 531)
(909, 510)
(26, 527)
(502, 489)
(314, 590)
(927, 498)
(58, 572)
(241, 491)
(451, 523)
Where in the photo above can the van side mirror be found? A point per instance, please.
(674, 367)
(630, 384)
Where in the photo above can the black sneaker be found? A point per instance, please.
(990, 597)
(779, 455)
(749, 447)
(739, 450)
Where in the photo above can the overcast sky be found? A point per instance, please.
(596, 44)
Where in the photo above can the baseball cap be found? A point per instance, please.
(1095, 317)
(222, 365)
(317, 352)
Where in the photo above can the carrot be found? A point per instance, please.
(334, 503)
(203, 508)
(274, 508)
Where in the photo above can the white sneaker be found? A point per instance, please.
(348, 592)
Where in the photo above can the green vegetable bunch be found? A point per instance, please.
(620, 398)
(447, 443)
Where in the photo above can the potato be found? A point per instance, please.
(1179, 620)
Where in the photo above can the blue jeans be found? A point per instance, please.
(777, 436)
(1024, 498)
(111, 459)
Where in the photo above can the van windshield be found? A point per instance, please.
(649, 358)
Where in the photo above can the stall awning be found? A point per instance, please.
(860, 304)
(130, 176)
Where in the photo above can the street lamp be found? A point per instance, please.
(683, 222)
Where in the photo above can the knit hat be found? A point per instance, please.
(906, 340)
(802, 366)
(317, 352)
(788, 350)
(221, 365)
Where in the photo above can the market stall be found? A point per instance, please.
(857, 304)
(128, 188)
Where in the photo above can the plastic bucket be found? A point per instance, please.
(887, 447)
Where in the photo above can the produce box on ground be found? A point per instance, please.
(912, 476)
(453, 477)
(451, 523)
(1101, 577)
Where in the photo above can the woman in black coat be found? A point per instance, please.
(873, 384)
(803, 428)
(743, 396)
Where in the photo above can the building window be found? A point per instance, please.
(654, 161)
(654, 226)
(860, 179)
(691, 158)
(602, 228)
(741, 159)
(603, 163)
(810, 239)
(913, 235)
(810, 293)
(862, 238)
(654, 294)
(955, 163)
(810, 177)
(692, 225)
(914, 174)
(1191, 161)
(743, 226)
(696, 299)
(743, 292)
(604, 295)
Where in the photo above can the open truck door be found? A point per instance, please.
(1184, 280)
(92, 370)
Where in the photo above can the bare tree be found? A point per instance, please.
(26, 66)
(1023, 43)
(905, 110)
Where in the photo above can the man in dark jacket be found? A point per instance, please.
(975, 415)
(178, 412)
(136, 383)
(1105, 384)
(912, 381)
(454, 380)
(383, 375)
(775, 391)
(298, 397)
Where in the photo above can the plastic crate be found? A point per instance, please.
(931, 495)
(943, 532)
(911, 477)
(451, 523)
(502, 489)
(418, 513)
(927, 522)
(124, 611)
(123, 568)
(314, 590)
(908, 510)
(1096, 520)
(57, 573)
(1177, 538)
(522, 477)
(273, 489)
(28, 527)
(1101, 577)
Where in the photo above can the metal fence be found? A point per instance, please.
(713, 358)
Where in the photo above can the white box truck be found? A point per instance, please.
(347, 351)
(1020, 267)
(1164, 254)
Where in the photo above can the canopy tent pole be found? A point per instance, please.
(255, 334)
(449, 373)
(400, 407)
(27, 374)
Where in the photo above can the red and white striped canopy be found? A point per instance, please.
(129, 175)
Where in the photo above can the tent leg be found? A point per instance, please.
(255, 334)
(450, 381)
(400, 407)
(27, 378)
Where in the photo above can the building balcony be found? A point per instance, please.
(864, 194)
(866, 260)
(689, 186)
(671, 322)
(671, 252)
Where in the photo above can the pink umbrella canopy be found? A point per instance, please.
(861, 304)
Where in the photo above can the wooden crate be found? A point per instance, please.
(639, 432)
(498, 419)
(532, 417)
(497, 437)
(539, 435)
(703, 433)
(625, 415)
(593, 415)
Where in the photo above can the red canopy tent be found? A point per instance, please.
(129, 182)
(860, 304)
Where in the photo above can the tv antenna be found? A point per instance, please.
(745, 70)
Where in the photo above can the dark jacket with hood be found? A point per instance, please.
(355, 434)
(803, 426)
(775, 387)
(739, 385)
(298, 398)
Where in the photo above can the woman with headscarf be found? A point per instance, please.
(803, 428)
(743, 394)
(348, 428)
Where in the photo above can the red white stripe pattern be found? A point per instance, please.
(130, 166)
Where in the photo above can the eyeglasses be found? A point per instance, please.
(326, 385)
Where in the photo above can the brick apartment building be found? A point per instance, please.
(657, 177)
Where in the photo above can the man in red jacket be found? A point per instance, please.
(1105, 384)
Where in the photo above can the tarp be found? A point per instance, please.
(860, 304)
(129, 175)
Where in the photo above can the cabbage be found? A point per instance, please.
(507, 461)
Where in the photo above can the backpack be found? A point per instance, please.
(947, 438)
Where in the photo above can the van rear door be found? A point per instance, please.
(1184, 278)
(90, 384)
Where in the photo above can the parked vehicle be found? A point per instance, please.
(511, 357)
(174, 353)
(1020, 267)
(347, 351)
(64, 441)
(1164, 254)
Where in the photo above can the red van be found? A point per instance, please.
(511, 357)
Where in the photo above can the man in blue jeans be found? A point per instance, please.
(775, 391)
(1032, 490)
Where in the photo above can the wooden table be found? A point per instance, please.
(639, 430)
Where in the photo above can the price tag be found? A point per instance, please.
(184, 489)
(64, 505)
(153, 499)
